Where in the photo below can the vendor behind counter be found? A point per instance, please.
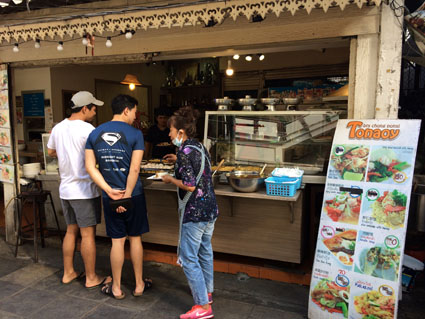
(157, 141)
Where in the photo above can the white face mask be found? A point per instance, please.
(178, 142)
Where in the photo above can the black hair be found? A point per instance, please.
(162, 111)
(78, 109)
(185, 119)
(120, 102)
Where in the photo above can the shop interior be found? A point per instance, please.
(304, 74)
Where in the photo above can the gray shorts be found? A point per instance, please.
(83, 212)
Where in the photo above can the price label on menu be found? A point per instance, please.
(359, 252)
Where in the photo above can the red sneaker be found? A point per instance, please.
(210, 300)
(197, 312)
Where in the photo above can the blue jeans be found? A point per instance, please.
(197, 259)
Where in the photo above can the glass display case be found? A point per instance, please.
(50, 163)
(279, 138)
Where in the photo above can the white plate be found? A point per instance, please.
(154, 178)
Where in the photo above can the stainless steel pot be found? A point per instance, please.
(245, 181)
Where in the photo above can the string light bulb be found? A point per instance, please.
(248, 58)
(108, 42)
(37, 44)
(129, 35)
(16, 48)
(261, 57)
(60, 46)
(229, 70)
(236, 57)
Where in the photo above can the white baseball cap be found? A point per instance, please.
(84, 98)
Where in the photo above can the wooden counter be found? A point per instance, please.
(249, 224)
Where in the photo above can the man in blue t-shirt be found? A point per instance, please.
(117, 148)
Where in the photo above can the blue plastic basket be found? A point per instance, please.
(289, 179)
(278, 188)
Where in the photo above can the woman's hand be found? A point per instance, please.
(167, 179)
(171, 158)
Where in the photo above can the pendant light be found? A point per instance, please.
(132, 81)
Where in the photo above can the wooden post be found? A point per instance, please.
(9, 213)
(389, 63)
(352, 77)
(366, 52)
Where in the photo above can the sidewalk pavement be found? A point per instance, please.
(29, 290)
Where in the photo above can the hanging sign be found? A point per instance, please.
(359, 252)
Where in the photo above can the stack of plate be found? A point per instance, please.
(31, 170)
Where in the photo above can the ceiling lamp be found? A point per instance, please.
(17, 1)
(16, 48)
(229, 70)
(108, 42)
(60, 46)
(4, 3)
(37, 44)
(248, 58)
(236, 57)
(261, 57)
(131, 80)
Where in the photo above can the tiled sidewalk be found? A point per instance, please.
(29, 290)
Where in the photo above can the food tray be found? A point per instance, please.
(276, 188)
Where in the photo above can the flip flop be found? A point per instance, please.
(79, 276)
(148, 284)
(99, 284)
(107, 290)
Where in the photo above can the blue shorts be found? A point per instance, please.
(133, 222)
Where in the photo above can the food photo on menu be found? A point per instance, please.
(372, 300)
(342, 204)
(390, 165)
(349, 162)
(331, 297)
(378, 255)
(341, 243)
(384, 207)
(4, 98)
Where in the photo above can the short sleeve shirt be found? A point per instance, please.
(202, 204)
(69, 138)
(113, 144)
(161, 143)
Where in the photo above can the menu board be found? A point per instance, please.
(7, 168)
(359, 252)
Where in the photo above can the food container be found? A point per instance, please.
(245, 181)
(31, 170)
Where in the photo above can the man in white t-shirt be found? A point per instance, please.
(80, 198)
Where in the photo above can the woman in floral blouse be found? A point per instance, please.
(198, 211)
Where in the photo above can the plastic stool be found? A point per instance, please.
(38, 199)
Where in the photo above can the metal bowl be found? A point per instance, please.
(270, 101)
(245, 181)
(224, 101)
(291, 100)
(247, 101)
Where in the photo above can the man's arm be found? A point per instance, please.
(97, 177)
(52, 153)
(133, 174)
